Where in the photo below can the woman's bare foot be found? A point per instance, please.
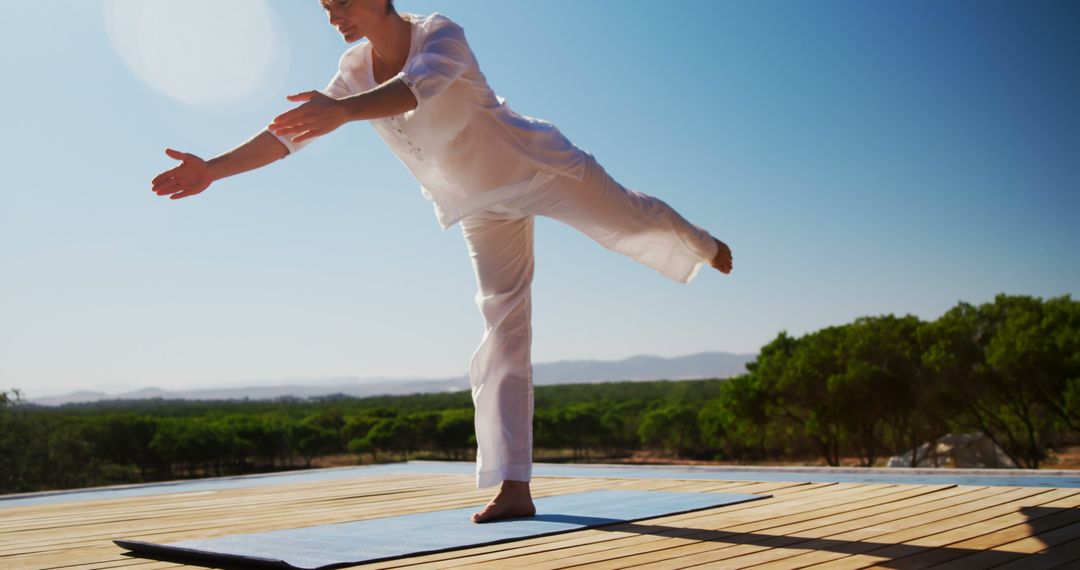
(513, 500)
(722, 261)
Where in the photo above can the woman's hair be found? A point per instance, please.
(389, 5)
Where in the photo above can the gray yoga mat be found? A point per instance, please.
(344, 544)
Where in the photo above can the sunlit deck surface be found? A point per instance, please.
(816, 524)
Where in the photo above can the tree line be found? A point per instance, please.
(875, 387)
(1009, 369)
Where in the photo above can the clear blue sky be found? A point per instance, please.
(861, 158)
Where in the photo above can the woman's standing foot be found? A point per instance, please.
(513, 500)
(722, 261)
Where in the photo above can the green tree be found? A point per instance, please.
(357, 427)
(1009, 363)
(737, 422)
(71, 457)
(804, 377)
(9, 451)
(309, 439)
(331, 421)
(880, 358)
(120, 446)
(582, 426)
(674, 427)
(392, 434)
(620, 421)
(423, 432)
(455, 432)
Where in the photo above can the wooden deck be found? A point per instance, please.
(803, 525)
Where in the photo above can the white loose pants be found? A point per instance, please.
(500, 242)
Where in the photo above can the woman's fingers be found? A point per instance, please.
(302, 132)
(318, 116)
(281, 119)
(290, 116)
(177, 154)
(298, 126)
(167, 175)
(279, 129)
(188, 178)
(302, 96)
(172, 173)
(304, 136)
(290, 122)
(292, 129)
(174, 180)
(176, 175)
(162, 181)
(169, 191)
(176, 191)
(313, 109)
(169, 185)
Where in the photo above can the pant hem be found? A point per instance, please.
(485, 479)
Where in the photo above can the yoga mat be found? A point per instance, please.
(344, 544)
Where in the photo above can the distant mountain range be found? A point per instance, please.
(703, 365)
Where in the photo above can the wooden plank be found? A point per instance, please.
(587, 537)
(710, 486)
(60, 513)
(852, 509)
(928, 532)
(270, 518)
(141, 565)
(172, 519)
(985, 536)
(577, 539)
(617, 536)
(840, 525)
(174, 527)
(1064, 555)
(657, 547)
(1024, 547)
(227, 512)
(771, 541)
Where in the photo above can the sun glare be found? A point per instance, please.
(199, 52)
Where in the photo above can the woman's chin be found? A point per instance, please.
(351, 36)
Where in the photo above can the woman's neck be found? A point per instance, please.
(391, 39)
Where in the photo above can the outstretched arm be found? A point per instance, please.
(319, 115)
(322, 114)
(193, 174)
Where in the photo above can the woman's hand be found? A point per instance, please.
(319, 116)
(188, 179)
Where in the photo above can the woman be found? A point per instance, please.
(418, 83)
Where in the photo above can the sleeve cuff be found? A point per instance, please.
(289, 145)
(410, 84)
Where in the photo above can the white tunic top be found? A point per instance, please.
(462, 143)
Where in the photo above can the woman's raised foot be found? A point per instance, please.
(722, 261)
